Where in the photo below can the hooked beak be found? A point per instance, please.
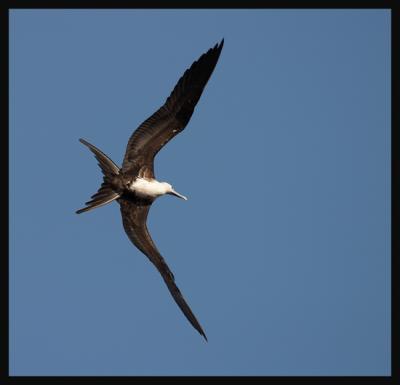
(173, 192)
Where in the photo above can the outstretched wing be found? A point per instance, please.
(134, 216)
(173, 116)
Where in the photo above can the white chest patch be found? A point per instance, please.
(147, 188)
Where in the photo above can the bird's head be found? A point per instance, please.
(171, 191)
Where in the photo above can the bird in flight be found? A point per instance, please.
(134, 185)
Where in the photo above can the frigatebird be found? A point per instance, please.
(134, 185)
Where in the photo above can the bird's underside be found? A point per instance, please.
(138, 166)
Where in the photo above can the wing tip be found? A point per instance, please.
(218, 46)
(218, 49)
(83, 141)
(198, 327)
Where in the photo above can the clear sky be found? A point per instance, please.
(283, 248)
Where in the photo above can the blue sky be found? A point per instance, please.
(283, 248)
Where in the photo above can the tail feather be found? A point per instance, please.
(97, 203)
(105, 194)
(104, 190)
(108, 167)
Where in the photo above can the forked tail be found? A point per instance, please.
(105, 194)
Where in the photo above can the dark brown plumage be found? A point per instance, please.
(170, 119)
(138, 163)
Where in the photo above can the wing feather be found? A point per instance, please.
(134, 217)
(170, 119)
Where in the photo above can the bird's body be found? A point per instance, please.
(134, 185)
(148, 188)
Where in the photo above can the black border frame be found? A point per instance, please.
(6, 6)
